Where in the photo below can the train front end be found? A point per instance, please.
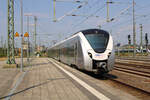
(101, 50)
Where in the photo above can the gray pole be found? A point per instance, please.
(134, 33)
(21, 35)
(5, 44)
(35, 21)
(141, 44)
(2, 41)
(28, 39)
(107, 10)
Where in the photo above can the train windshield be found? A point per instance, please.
(97, 41)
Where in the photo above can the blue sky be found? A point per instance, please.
(48, 30)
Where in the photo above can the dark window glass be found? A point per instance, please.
(97, 41)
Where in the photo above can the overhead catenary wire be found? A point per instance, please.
(116, 17)
(127, 21)
(71, 1)
(62, 17)
(142, 7)
(116, 2)
(90, 15)
(122, 12)
(78, 24)
(139, 17)
(93, 5)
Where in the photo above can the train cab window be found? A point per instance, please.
(98, 41)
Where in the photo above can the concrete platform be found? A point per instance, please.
(7, 77)
(43, 81)
(47, 79)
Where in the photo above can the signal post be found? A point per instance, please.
(25, 35)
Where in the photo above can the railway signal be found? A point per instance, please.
(129, 43)
(129, 39)
(146, 40)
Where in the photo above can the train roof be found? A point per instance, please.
(86, 31)
(89, 31)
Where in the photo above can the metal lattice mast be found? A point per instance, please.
(10, 40)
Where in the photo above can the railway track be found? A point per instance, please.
(136, 59)
(136, 76)
(133, 71)
(112, 80)
(144, 93)
(134, 64)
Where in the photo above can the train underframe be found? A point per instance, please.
(100, 67)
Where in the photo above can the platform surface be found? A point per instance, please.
(43, 80)
(7, 77)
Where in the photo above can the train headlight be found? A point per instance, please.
(90, 54)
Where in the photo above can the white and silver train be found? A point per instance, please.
(90, 50)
